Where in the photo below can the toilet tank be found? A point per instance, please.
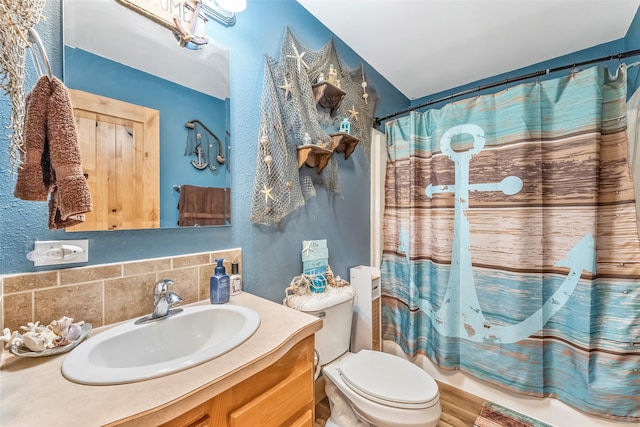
(335, 308)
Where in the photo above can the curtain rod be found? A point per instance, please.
(620, 56)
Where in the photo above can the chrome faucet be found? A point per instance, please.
(162, 302)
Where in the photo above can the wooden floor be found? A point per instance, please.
(459, 408)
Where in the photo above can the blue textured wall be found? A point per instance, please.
(271, 257)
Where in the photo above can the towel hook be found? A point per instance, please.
(220, 156)
(33, 37)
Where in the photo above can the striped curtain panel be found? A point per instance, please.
(511, 250)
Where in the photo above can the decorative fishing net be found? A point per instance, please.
(16, 18)
(288, 112)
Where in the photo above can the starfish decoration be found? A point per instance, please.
(353, 114)
(286, 86)
(307, 247)
(267, 193)
(298, 57)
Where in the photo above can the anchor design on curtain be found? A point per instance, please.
(468, 320)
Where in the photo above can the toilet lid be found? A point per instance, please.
(323, 300)
(389, 380)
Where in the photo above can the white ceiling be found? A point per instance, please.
(426, 46)
(124, 36)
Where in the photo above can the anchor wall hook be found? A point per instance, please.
(199, 164)
(220, 156)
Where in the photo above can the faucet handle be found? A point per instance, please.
(173, 298)
(161, 287)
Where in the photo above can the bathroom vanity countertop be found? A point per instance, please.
(33, 391)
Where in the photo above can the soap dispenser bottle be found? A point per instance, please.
(219, 284)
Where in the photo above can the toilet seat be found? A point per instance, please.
(389, 380)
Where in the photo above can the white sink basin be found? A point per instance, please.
(128, 353)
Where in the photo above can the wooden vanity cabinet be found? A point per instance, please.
(279, 395)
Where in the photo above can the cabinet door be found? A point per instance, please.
(281, 395)
(306, 420)
(279, 404)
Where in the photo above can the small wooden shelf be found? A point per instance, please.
(328, 95)
(342, 142)
(313, 156)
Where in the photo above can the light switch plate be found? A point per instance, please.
(55, 252)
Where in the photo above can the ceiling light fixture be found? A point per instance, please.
(234, 6)
(223, 11)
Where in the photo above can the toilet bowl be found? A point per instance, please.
(367, 388)
(380, 389)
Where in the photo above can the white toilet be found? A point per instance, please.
(367, 388)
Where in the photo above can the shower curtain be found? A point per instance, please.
(511, 250)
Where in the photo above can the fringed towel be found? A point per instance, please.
(34, 178)
(203, 206)
(51, 161)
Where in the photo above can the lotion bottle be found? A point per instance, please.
(235, 279)
(219, 284)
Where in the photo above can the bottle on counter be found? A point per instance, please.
(219, 284)
(235, 279)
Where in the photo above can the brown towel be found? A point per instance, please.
(203, 206)
(70, 198)
(34, 179)
(52, 157)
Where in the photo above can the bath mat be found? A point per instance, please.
(494, 415)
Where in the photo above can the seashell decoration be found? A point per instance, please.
(66, 330)
(267, 161)
(264, 141)
(37, 338)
